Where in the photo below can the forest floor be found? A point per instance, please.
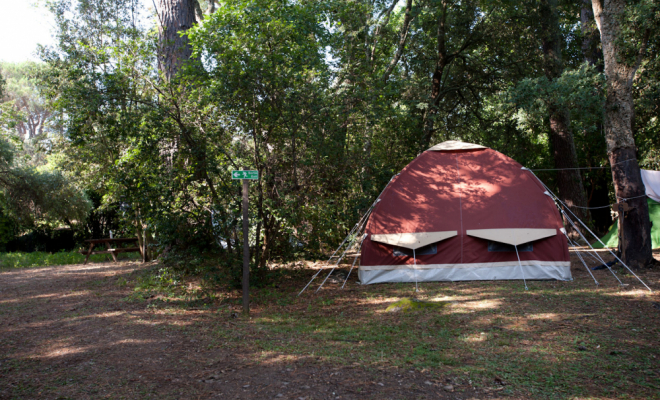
(99, 331)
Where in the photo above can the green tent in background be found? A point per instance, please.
(611, 238)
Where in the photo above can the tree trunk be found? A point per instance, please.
(598, 193)
(436, 81)
(636, 227)
(590, 36)
(174, 16)
(569, 181)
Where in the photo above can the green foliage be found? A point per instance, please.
(640, 22)
(327, 100)
(23, 112)
(646, 95)
(8, 230)
(32, 193)
(43, 259)
(37, 195)
(580, 91)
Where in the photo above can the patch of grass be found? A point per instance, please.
(558, 340)
(43, 259)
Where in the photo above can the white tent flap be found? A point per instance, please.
(413, 240)
(651, 181)
(513, 237)
(455, 145)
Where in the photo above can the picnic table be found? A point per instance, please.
(113, 247)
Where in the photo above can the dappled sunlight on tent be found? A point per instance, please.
(464, 191)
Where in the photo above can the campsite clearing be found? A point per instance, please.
(102, 330)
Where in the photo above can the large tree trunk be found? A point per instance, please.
(174, 17)
(569, 180)
(636, 227)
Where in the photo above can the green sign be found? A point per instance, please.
(243, 174)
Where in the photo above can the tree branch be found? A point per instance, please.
(387, 12)
(403, 36)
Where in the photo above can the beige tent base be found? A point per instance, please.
(466, 272)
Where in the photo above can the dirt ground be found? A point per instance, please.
(72, 332)
(68, 333)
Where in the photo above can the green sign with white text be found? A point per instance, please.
(243, 174)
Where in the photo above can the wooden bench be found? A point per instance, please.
(111, 247)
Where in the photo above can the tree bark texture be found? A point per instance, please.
(636, 227)
(635, 230)
(569, 181)
(174, 16)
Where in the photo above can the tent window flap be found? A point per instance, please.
(515, 236)
(413, 240)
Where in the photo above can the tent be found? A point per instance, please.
(461, 211)
(651, 181)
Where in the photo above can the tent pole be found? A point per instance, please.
(585, 239)
(354, 261)
(338, 248)
(415, 270)
(342, 255)
(580, 257)
(521, 268)
(364, 217)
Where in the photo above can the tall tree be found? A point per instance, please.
(590, 35)
(174, 17)
(621, 64)
(569, 180)
(456, 44)
(590, 140)
(22, 91)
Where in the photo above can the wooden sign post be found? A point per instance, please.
(246, 176)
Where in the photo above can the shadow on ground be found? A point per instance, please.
(82, 331)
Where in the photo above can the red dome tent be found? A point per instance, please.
(461, 211)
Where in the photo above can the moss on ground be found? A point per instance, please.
(408, 304)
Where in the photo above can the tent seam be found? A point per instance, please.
(460, 203)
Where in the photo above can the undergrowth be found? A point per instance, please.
(197, 279)
(43, 259)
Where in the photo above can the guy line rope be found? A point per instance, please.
(357, 229)
(357, 232)
(590, 231)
